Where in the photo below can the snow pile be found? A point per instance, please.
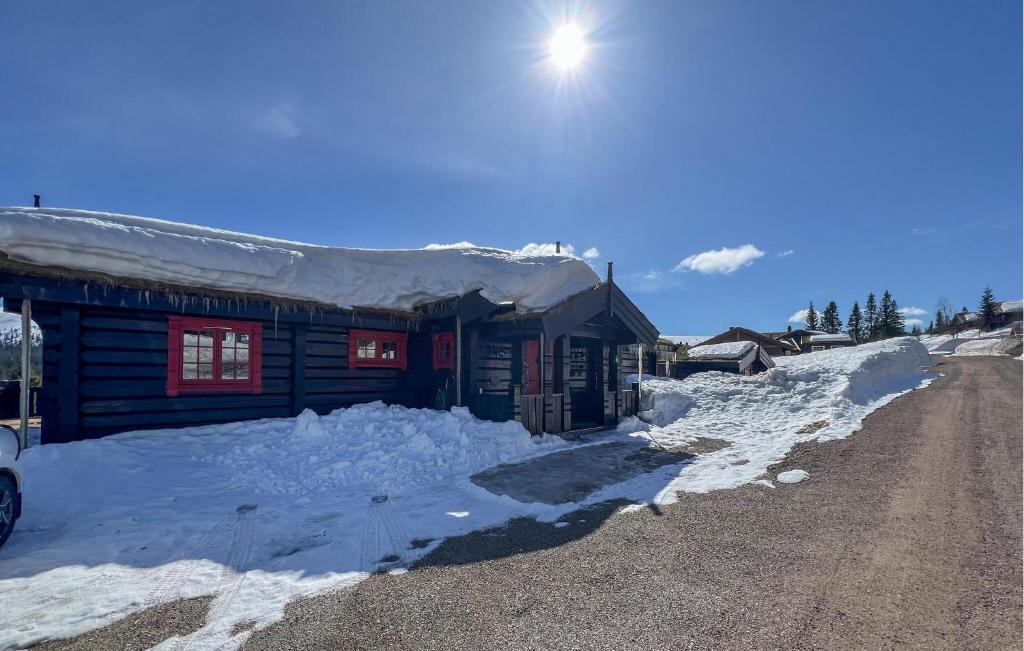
(806, 397)
(257, 513)
(793, 476)
(988, 346)
(728, 350)
(182, 254)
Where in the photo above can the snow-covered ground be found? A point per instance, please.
(971, 342)
(263, 512)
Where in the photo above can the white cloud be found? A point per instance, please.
(800, 316)
(650, 281)
(910, 323)
(546, 248)
(783, 254)
(913, 311)
(278, 122)
(722, 261)
(591, 253)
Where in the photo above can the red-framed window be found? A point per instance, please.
(444, 351)
(377, 349)
(213, 356)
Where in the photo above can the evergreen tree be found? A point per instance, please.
(812, 317)
(939, 324)
(870, 318)
(931, 328)
(987, 309)
(830, 322)
(890, 321)
(916, 331)
(855, 324)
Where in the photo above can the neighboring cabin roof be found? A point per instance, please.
(729, 350)
(689, 340)
(141, 248)
(746, 334)
(1010, 306)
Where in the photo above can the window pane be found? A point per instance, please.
(242, 371)
(206, 338)
(189, 371)
(446, 350)
(388, 350)
(227, 355)
(242, 354)
(191, 338)
(367, 349)
(205, 354)
(227, 371)
(190, 354)
(243, 341)
(228, 337)
(206, 371)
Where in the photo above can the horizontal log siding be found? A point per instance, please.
(330, 384)
(123, 377)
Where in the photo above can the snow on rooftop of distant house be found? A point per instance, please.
(689, 340)
(728, 350)
(196, 256)
(1011, 306)
(829, 337)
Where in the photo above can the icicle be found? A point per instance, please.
(275, 320)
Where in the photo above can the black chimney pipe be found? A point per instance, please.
(610, 275)
(36, 197)
(558, 246)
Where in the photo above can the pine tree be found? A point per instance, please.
(870, 318)
(987, 309)
(916, 331)
(931, 328)
(812, 317)
(890, 321)
(830, 322)
(855, 324)
(939, 322)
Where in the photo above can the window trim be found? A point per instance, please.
(177, 384)
(439, 340)
(379, 337)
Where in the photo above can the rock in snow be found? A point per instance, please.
(195, 256)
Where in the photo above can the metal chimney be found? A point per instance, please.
(36, 197)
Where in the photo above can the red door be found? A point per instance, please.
(531, 367)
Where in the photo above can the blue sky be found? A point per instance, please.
(856, 146)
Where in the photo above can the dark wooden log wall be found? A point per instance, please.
(494, 367)
(105, 371)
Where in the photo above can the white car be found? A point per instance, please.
(10, 481)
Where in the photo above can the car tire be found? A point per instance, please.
(8, 499)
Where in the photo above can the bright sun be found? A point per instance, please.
(568, 47)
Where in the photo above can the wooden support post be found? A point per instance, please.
(26, 369)
(458, 361)
(67, 375)
(299, 368)
(543, 383)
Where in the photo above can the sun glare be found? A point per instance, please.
(568, 46)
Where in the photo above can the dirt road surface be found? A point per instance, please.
(907, 535)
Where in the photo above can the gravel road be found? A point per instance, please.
(907, 535)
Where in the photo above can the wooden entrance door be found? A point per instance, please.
(531, 367)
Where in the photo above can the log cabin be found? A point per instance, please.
(153, 324)
(772, 346)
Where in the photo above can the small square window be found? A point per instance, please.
(389, 350)
(213, 355)
(367, 349)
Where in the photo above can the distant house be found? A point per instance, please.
(1008, 313)
(740, 357)
(154, 324)
(964, 321)
(810, 341)
(665, 351)
(771, 346)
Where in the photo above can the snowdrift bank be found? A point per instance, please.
(824, 395)
(187, 255)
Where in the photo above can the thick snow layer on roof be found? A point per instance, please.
(816, 339)
(195, 256)
(728, 350)
(1011, 306)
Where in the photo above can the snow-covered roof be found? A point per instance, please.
(825, 338)
(728, 350)
(689, 340)
(1011, 306)
(195, 256)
